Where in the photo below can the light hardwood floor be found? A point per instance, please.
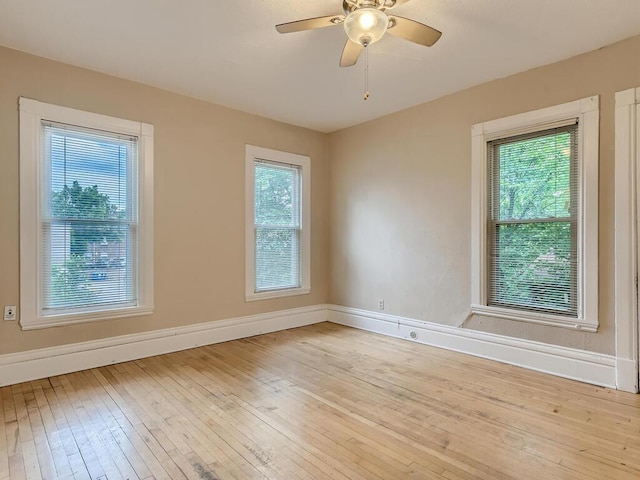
(320, 402)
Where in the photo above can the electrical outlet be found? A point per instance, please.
(10, 312)
(380, 304)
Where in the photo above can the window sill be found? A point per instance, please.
(290, 292)
(533, 317)
(72, 319)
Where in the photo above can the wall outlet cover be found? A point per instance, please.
(10, 312)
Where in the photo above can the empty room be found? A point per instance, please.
(346, 240)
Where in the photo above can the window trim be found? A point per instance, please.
(627, 162)
(32, 113)
(253, 153)
(587, 112)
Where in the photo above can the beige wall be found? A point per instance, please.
(400, 196)
(199, 197)
(390, 210)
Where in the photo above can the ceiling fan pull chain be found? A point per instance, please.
(366, 73)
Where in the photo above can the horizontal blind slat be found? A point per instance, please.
(277, 226)
(532, 225)
(89, 220)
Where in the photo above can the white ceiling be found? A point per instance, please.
(229, 53)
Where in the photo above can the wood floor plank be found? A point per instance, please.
(60, 437)
(109, 415)
(227, 386)
(4, 448)
(569, 439)
(337, 428)
(321, 402)
(583, 463)
(308, 384)
(231, 387)
(49, 439)
(81, 439)
(234, 447)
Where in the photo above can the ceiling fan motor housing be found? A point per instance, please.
(351, 5)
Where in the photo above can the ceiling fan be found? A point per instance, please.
(365, 22)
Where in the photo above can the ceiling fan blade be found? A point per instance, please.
(413, 31)
(350, 53)
(310, 23)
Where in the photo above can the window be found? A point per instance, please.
(277, 237)
(534, 223)
(85, 216)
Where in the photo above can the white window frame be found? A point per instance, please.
(32, 114)
(253, 153)
(587, 111)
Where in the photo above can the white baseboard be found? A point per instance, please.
(46, 362)
(627, 375)
(595, 368)
(589, 367)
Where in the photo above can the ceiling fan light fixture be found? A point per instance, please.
(366, 25)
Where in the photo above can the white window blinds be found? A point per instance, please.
(278, 226)
(89, 219)
(533, 221)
